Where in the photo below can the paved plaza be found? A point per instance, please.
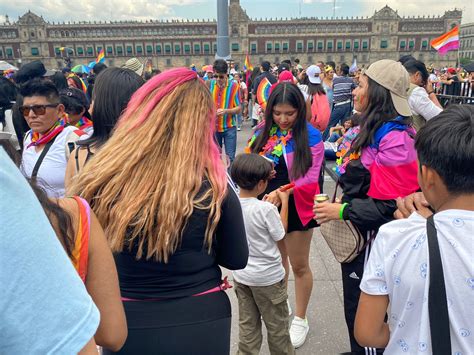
(328, 333)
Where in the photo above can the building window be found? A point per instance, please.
(149, 49)
(207, 48)
(285, 46)
(197, 48)
(9, 52)
(424, 44)
(214, 47)
(110, 50)
(310, 46)
(57, 51)
(277, 47)
(139, 49)
(365, 45)
(330, 45)
(90, 50)
(356, 44)
(129, 49)
(299, 46)
(403, 44)
(235, 47)
(1, 53)
(168, 61)
(34, 51)
(80, 50)
(253, 47)
(348, 44)
(411, 44)
(320, 45)
(119, 50)
(339, 44)
(187, 48)
(158, 48)
(383, 44)
(269, 46)
(188, 62)
(167, 48)
(177, 48)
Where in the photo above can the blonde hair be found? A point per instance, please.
(160, 164)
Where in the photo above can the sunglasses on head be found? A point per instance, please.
(37, 109)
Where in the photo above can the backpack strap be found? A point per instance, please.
(81, 244)
(45, 150)
(437, 301)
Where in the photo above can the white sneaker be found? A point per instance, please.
(290, 311)
(298, 331)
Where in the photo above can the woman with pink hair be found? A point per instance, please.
(160, 190)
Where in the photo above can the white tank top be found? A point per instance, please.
(52, 171)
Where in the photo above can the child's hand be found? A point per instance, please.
(273, 198)
(283, 195)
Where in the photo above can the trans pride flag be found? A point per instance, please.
(447, 42)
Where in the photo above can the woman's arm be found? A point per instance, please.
(103, 286)
(232, 250)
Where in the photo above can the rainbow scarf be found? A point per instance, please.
(305, 186)
(263, 92)
(57, 128)
(227, 98)
(83, 123)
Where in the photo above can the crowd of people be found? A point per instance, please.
(124, 194)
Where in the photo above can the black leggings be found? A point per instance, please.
(190, 325)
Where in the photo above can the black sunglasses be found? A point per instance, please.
(37, 109)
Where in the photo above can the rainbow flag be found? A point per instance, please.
(247, 65)
(447, 42)
(100, 56)
(263, 92)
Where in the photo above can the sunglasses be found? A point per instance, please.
(37, 109)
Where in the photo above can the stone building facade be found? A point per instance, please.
(182, 43)
(466, 33)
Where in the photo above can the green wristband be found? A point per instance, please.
(341, 211)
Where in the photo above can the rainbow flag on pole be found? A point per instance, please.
(100, 56)
(447, 42)
(247, 65)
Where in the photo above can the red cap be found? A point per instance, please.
(285, 76)
(451, 71)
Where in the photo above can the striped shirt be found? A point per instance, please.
(227, 98)
(342, 89)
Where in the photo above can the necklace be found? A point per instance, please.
(277, 139)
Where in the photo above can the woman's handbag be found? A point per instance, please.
(343, 238)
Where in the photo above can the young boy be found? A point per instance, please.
(260, 287)
(398, 270)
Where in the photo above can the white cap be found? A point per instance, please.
(313, 73)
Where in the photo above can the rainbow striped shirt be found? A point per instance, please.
(227, 97)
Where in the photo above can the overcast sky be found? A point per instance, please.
(85, 10)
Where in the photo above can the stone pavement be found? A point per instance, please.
(328, 333)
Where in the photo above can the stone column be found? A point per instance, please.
(223, 49)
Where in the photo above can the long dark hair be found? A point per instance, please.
(380, 109)
(113, 89)
(315, 89)
(58, 217)
(8, 94)
(287, 93)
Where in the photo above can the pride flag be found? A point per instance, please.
(447, 42)
(100, 56)
(247, 65)
(263, 92)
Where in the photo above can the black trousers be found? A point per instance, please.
(351, 277)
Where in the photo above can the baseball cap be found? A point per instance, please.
(77, 95)
(285, 76)
(313, 73)
(451, 71)
(283, 66)
(394, 77)
(135, 65)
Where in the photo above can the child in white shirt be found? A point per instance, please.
(260, 287)
(398, 270)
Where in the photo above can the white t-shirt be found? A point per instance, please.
(398, 266)
(52, 171)
(264, 228)
(44, 305)
(420, 104)
(9, 128)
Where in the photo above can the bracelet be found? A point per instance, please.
(341, 211)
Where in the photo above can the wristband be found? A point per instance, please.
(341, 211)
(431, 92)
